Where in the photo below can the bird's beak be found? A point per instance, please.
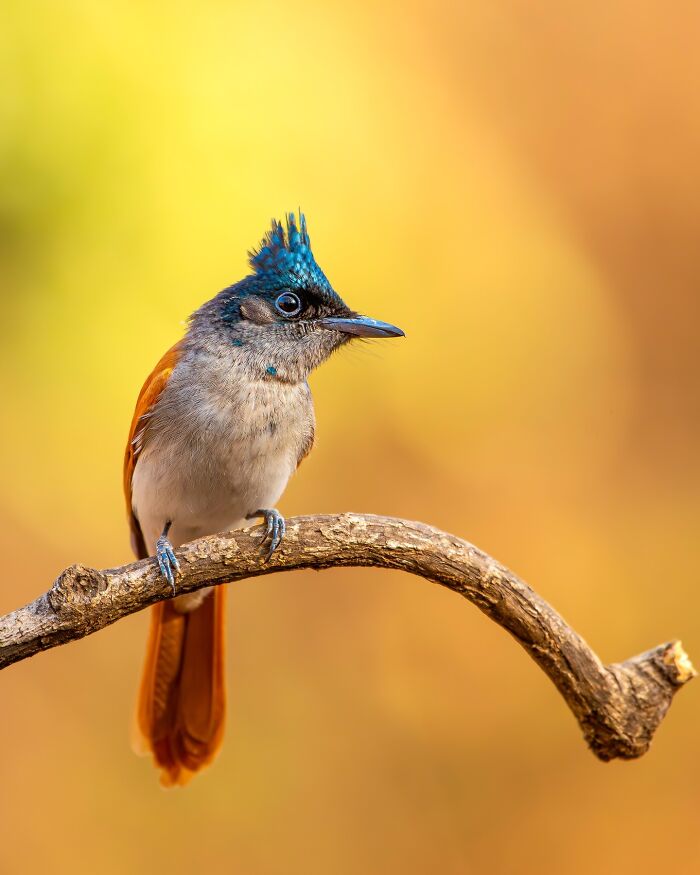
(361, 326)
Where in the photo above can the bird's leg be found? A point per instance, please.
(167, 561)
(275, 527)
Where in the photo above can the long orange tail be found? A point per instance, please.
(182, 698)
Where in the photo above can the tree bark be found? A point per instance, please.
(618, 706)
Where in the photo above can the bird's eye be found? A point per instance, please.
(288, 304)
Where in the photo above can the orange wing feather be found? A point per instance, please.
(150, 393)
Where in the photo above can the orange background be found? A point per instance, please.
(518, 186)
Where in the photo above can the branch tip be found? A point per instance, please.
(677, 659)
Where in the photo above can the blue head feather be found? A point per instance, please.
(285, 259)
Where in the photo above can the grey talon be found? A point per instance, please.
(275, 528)
(167, 561)
(279, 530)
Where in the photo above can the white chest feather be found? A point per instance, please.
(216, 450)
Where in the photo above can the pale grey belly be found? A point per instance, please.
(205, 489)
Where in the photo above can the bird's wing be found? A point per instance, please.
(309, 430)
(307, 445)
(149, 395)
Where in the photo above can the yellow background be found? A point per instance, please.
(517, 185)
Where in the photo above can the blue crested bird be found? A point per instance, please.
(220, 426)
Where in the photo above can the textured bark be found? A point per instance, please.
(618, 706)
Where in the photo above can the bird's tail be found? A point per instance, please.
(182, 699)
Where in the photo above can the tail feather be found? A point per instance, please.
(182, 700)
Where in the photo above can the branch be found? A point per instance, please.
(618, 706)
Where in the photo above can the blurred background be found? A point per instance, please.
(517, 185)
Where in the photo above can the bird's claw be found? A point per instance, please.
(275, 529)
(167, 561)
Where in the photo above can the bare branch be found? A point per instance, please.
(619, 706)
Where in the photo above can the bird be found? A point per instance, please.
(220, 425)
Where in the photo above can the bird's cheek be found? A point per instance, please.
(332, 340)
(257, 311)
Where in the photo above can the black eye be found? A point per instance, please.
(288, 304)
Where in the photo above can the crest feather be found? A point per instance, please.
(285, 254)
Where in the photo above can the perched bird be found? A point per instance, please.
(219, 427)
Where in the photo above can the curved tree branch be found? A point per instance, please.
(618, 706)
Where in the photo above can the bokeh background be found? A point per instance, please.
(517, 185)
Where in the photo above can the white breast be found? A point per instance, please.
(216, 450)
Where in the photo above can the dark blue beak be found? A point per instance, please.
(361, 326)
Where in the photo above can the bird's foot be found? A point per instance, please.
(167, 561)
(275, 528)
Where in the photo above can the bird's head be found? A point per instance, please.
(285, 318)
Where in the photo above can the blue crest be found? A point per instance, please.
(285, 258)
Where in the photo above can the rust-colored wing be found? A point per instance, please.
(148, 396)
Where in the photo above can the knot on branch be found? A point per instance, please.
(76, 588)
